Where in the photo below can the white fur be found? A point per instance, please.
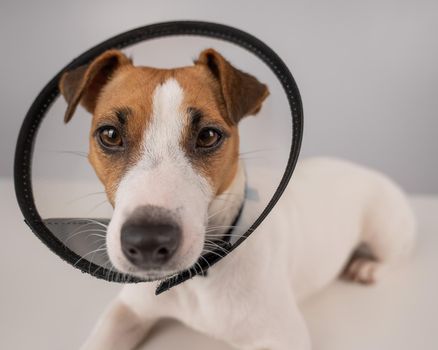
(250, 298)
(225, 207)
(164, 177)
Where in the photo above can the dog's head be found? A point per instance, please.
(165, 144)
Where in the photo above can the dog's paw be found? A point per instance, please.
(362, 270)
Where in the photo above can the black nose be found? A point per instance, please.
(150, 237)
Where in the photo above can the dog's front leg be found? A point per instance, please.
(119, 328)
(276, 325)
(290, 333)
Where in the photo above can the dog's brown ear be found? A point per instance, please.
(243, 94)
(84, 83)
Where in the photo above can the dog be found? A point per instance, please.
(165, 145)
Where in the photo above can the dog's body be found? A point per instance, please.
(250, 299)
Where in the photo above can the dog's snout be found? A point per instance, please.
(150, 238)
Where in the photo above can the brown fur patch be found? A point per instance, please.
(131, 88)
(242, 93)
(202, 93)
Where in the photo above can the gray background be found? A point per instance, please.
(367, 71)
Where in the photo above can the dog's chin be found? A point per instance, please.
(145, 275)
(150, 275)
(121, 265)
(155, 275)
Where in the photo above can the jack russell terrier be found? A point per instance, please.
(165, 145)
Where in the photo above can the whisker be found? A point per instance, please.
(83, 256)
(84, 196)
(96, 222)
(83, 231)
(110, 271)
(208, 264)
(97, 235)
(259, 150)
(229, 194)
(190, 273)
(75, 153)
(194, 268)
(200, 269)
(216, 213)
(98, 205)
(92, 258)
(103, 266)
(81, 226)
(216, 246)
(213, 252)
(90, 222)
(216, 227)
(212, 235)
(226, 200)
(251, 158)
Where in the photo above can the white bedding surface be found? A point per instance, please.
(47, 304)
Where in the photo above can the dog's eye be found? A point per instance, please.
(110, 137)
(208, 137)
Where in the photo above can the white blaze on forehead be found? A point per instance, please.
(164, 177)
(163, 136)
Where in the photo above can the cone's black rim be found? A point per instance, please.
(40, 106)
